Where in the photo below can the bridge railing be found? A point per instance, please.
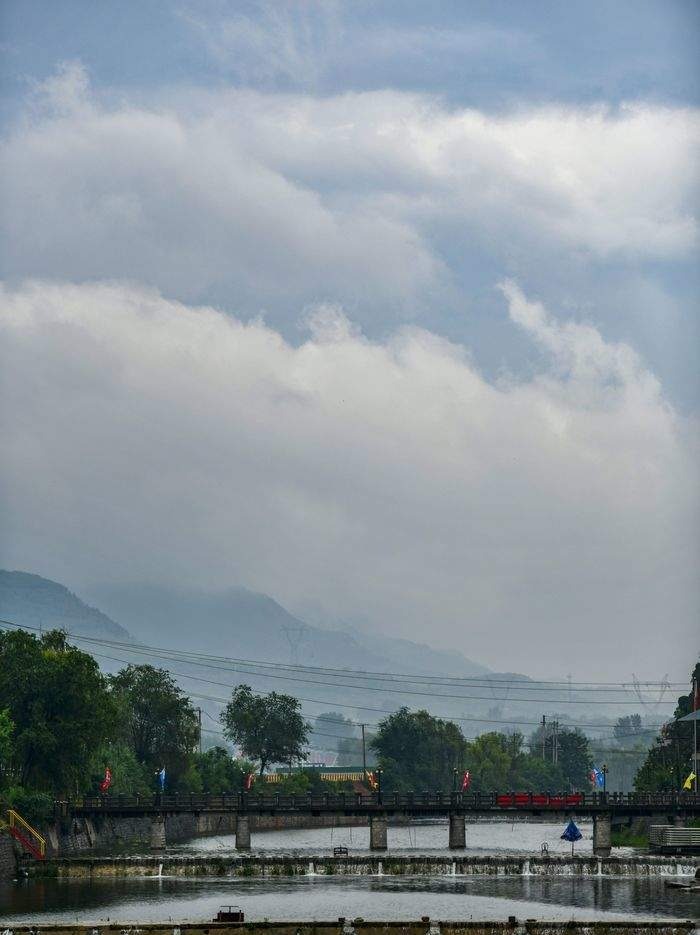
(369, 801)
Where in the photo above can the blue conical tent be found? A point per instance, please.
(571, 832)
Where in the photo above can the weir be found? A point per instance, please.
(217, 865)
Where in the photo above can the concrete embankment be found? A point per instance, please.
(217, 865)
(114, 833)
(358, 927)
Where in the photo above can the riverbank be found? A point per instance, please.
(341, 926)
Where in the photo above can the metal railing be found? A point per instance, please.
(27, 836)
(372, 801)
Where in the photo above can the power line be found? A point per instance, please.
(511, 683)
(159, 653)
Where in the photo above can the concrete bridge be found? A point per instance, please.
(604, 808)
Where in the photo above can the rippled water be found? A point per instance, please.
(428, 837)
(371, 897)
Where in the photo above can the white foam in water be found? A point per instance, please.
(526, 868)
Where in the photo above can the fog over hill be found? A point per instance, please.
(247, 627)
(33, 601)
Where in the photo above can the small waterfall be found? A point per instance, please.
(160, 871)
(310, 869)
(526, 867)
(453, 869)
(380, 869)
(599, 868)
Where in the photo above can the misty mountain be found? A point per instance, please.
(33, 601)
(242, 624)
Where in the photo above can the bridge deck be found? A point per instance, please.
(404, 803)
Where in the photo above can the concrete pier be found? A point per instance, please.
(377, 833)
(158, 833)
(458, 835)
(243, 833)
(602, 835)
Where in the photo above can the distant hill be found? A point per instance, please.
(247, 625)
(33, 601)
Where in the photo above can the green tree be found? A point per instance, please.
(128, 774)
(670, 759)
(58, 701)
(418, 751)
(627, 728)
(159, 722)
(574, 757)
(7, 729)
(268, 728)
(219, 771)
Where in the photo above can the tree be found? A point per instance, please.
(574, 759)
(628, 727)
(159, 721)
(128, 774)
(57, 699)
(670, 759)
(268, 728)
(219, 772)
(418, 751)
(7, 729)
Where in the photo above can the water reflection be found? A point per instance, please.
(388, 898)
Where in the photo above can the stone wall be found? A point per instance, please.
(8, 860)
(121, 833)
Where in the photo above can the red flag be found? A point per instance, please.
(249, 780)
(107, 781)
(466, 780)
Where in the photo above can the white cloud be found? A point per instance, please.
(384, 481)
(269, 202)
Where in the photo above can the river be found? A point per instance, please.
(373, 897)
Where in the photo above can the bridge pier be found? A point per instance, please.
(458, 832)
(377, 833)
(242, 833)
(158, 833)
(602, 835)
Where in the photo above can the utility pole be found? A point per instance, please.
(555, 742)
(364, 752)
(544, 734)
(199, 721)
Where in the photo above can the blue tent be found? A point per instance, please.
(571, 832)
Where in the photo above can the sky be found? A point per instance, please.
(388, 310)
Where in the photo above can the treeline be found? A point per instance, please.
(63, 723)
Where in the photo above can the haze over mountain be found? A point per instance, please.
(245, 626)
(33, 601)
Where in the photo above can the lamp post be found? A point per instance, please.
(604, 771)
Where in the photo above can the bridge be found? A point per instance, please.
(378, 807)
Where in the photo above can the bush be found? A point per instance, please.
(34, 807)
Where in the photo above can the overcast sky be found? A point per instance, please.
(388, 310)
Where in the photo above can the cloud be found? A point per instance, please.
(534, 523)
(264, 203)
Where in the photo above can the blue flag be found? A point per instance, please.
(161, 778)
(571, 832)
